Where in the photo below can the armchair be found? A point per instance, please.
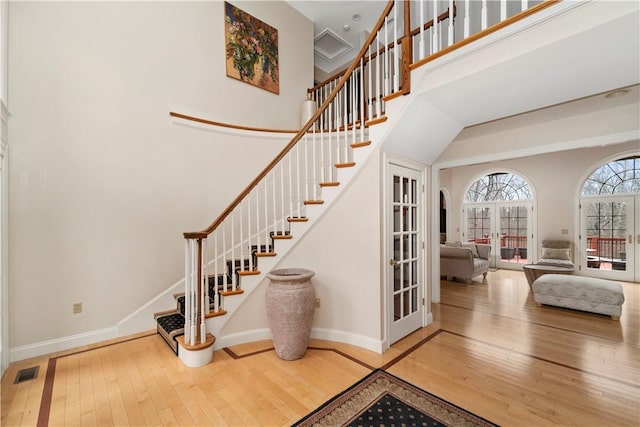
(464, 260)
(556, 252)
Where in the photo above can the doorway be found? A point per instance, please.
(405, 250)
(506, 226)
(610, 226)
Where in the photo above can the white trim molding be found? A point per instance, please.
(64, 343)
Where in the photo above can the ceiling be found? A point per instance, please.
(339, 27)
(591, 50)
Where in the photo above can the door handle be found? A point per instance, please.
(392, 262)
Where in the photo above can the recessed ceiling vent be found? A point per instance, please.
(329, 45)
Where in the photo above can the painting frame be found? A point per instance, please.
(251, 49)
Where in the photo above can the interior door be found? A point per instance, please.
(405, 278)
(608, 239)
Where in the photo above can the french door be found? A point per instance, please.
(609, 237)
(506, 226)
(405, 278)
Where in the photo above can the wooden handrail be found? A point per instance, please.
(299, 135)
(227, 125)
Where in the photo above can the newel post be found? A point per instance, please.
(195, 348)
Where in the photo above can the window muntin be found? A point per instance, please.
(499, 186)
(618, 177)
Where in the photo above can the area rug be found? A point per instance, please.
(382, 399)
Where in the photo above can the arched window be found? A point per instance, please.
(617, 177)
(500, 186)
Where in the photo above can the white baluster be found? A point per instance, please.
(484, 15)
(524, 5)
(362, 101)
(249, 219)
(258, 214)
(467, 19)
(354, 98)
(242, 217)
(205, 280)
(322, 160)
(289, 157)
(436, 28)
(234, 279)
(396, 50)
(273, 195)
(215, 272)
(377, 94)
(386, 56)
(266, 214)
(503, 10)
(298, 180)
(282, 197)
(306, 166)
(187, 287)
(204, 294)
(421, 42)
(224, 256)
(370, 92)
(314, 175)
(345, 120)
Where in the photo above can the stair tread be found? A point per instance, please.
(345, 165)
(265, 254)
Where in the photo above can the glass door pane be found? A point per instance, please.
(609, 234)
(513, 234)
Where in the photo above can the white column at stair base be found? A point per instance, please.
(197, 355)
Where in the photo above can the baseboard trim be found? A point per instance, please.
(242, 338)
(60, 344)
(344, 337)
(316, 333)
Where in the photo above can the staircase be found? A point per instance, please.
(223, 262)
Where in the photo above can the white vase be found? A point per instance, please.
(291, 302)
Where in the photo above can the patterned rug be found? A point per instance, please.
(382, 399)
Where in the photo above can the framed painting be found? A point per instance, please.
(251, 49)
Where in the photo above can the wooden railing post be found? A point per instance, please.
(407, 49)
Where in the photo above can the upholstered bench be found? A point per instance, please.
(579, 293)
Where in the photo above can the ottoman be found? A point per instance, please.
(579, 293)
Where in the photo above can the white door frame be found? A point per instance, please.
(632, 238)
(389, 159)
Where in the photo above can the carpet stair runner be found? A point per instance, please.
(170, 323)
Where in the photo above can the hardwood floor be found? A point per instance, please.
(490, 350)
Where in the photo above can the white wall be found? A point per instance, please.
(102, 184)
(344, 252)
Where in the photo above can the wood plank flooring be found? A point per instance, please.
(490, 350)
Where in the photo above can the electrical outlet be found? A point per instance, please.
(77, 308)
(317, 302)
